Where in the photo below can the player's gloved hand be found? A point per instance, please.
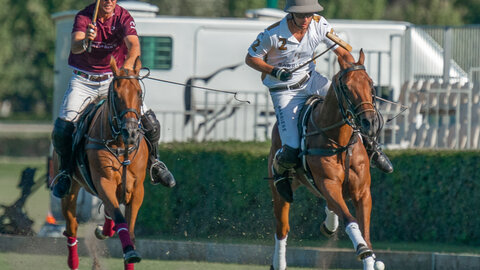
(281, 73)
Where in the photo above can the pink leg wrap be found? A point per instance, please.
(108, 227)
(122, 232)
(129, 266)
(72, 252)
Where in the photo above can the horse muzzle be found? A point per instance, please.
(130, 131)
(369, 124)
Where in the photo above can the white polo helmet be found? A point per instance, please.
(303, 6)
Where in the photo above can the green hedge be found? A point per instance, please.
(24, 145)
(221, 192)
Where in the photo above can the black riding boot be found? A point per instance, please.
(159, 173)
(285, 159)
(62, 142)
(378, 159)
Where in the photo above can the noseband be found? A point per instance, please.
(341, 91)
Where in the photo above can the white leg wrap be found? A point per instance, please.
(331, 221)
(368, 263)
(279, 255)
(355, 235)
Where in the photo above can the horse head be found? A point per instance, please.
(125, 100)
(355, 93)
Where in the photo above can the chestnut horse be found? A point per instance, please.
(335, 163)
(117, 156)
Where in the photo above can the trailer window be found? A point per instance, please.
(156, 52)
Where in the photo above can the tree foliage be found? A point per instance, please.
(28, 32)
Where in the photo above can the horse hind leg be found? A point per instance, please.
(330, 224)
(279, 255)
(69, 209)
(105, 231)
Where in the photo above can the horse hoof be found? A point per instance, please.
(99, 233)
(132, 257)
(363, 252)
(326, 232)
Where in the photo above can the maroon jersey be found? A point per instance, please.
(109, 40)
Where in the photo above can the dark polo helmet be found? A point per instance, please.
(303, 6)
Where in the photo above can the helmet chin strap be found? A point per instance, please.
(295, 22)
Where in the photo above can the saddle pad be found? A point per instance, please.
(304, 116)
(78, 146)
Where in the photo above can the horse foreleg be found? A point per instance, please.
(363, 206)
(333, 194)
(131, 213)
(107, 193)
(69, 209)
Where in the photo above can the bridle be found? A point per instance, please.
(115, 119)
(350, 116)
(351, 113)
(119, 125)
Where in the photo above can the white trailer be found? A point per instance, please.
(191, 49)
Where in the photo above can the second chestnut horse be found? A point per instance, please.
(336, 166)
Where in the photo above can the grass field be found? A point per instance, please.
(14, 261)
(37, 204)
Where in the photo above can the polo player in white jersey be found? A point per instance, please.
(285, 46)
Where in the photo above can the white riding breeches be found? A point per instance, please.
(288, 104)
(80, 93)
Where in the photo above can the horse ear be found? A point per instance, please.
(113, 65)
(138, 65)
(362, 57)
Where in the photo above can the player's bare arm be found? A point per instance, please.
(258, 64)
(133, 45)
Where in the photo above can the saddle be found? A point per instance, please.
(304, 116)
(78, 146)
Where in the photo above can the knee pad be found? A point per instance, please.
(151, 126)
(62, 136)
(285, 159)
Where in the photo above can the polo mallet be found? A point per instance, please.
(94, 22)
(339, 41)
(333, 38)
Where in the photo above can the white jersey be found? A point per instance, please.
(279, 48)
